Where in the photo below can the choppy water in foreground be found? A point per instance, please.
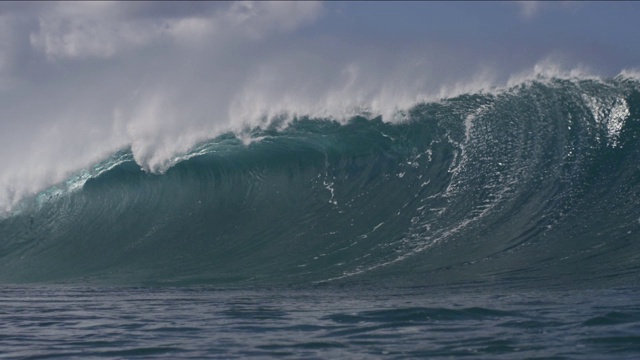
(82, 322)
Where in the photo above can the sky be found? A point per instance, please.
(79, 81)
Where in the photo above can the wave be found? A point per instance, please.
(535, 184)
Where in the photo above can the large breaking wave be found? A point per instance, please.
(535, 184)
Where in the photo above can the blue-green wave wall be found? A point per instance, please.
(535, 185)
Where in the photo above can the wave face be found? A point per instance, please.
(536, 184)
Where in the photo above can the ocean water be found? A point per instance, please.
(85, 322)
(502, 224)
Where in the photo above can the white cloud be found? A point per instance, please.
(532, 9)
(104, 29)
(529, 9)
(258, 18)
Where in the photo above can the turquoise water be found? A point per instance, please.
(489, 225)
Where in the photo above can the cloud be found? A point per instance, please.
(104, 29)
(532, 9)
(529, 9)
